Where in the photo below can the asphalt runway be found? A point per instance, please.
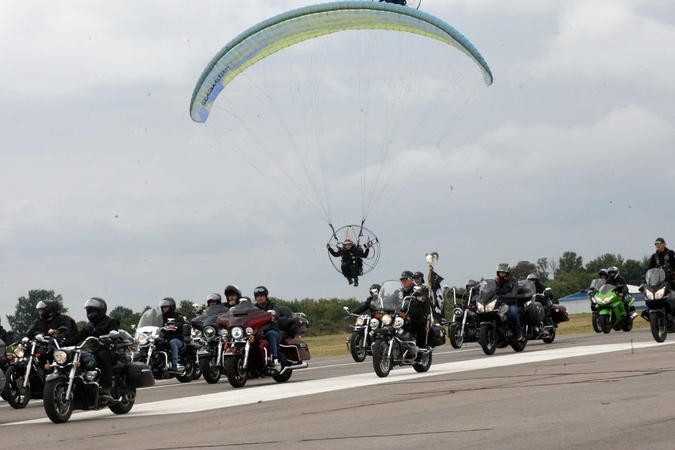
(583, 391)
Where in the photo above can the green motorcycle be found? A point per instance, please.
(612, 313)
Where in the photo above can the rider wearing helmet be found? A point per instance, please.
(620, 285)
(418, 312)
(507, 290)
(232, 295)
(664, 258)
(602, 273)
(99, 324)
(374, 291)
(214, 299)
(352, 259)
(470, 293)
(51, 322)
(173, 329)
(418, 278)
(271, 330)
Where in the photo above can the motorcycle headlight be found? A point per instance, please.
(60, 357)
(386, 319)
(398, 322)
(237, 332)
(458, 312)
(19, 352)
(209, 332)
(660, 293)
(602, 301)
(249, 331)
(223, 332)
(374, 323)
(361, 320)
(143, 339)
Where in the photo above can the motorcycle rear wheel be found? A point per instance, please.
(279, 378)
(189, 373)
(381, 361)
(519, 346)
(551, 336)
(628, 324)
(488, 339)
(57, 406)
(127, 402)
(455, 334)
(594, 322)
(656, 323)
(15, 394)
(424, 365)
(605, 323)
(211, 372)
(235, 371)
(357, 347)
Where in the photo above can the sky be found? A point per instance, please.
(109, 189)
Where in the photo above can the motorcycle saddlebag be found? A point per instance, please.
(559, 313)
(437, 335)
(534, 313)
(139, 375)
(303, 348)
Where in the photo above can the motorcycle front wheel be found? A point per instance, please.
(381, 360)
(357, 346)
(488, 338)
(58, 407)
(210, 371)
(15, 394)
(594, 322)
(605, 323)
(127, 402)
(235, 371)
(456, 337)
(656, 323)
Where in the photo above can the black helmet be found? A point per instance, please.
(214, 299)
(602, 272)
(503, 267)
(96, 309)
(420, 275)
(260, 290)
(471, 283)
(613, 269)
(49, 308)
(374, 289)
(167, 301)
(406, 274)
(533, 277)
(232, 290)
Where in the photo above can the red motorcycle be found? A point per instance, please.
(247, 352)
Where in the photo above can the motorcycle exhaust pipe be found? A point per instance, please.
(303, 365)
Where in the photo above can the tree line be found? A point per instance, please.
(565, 275)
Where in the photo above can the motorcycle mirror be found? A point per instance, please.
(272, 312)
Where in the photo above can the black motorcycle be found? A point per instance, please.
(496, 328)
(465, 327)
(155, 351)
(3, 350)
(25, 372)
(74, 382)
(394, 343)
(360, 341)
(210, 354)
(660, 301)
(541, 318)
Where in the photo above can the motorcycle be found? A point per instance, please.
(3, 350)
(465, 327)
(360, 340)
(74, 382)
(541, 321)
(612, 313)
(247, 352)
(393, 343)
(595, 285)
(210, 354)
(25, 373)
(155, 351)
(660, 301)
(496, 330)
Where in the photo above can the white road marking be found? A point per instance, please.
(275, 391)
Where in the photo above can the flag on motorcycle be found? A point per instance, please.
(437, 297)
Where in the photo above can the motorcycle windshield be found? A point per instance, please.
(151, 318)
(597, 283)
(209, 317)
(487, 291)
(655, 277)
(242, 315)
(390, 297)
(606, 289)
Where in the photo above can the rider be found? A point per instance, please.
(602, 273)
(418, 311)
(232, 295)
(507, 290)
(470, 293)
(396, 2)
(621, 287)
(271, 330)
(352, 259)
(99, 325)
(547, 299)
(50, 320)
(374, 291)
(173, 330)
(418, 278)
(664, 258)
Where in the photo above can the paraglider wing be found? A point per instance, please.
(289, 28)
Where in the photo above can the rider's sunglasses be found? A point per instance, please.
(406, 278)
(658, 244)
(417, 278)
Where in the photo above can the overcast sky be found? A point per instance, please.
(108, 188)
